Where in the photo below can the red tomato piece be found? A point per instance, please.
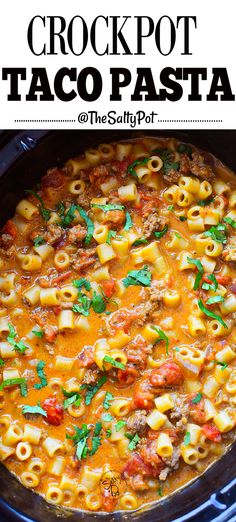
(169, 374)
(211, 432)
(127, 376)
(54, 411)
(108, 287)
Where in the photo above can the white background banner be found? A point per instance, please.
(212, 45)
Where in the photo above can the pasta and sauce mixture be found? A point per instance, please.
(117, 324)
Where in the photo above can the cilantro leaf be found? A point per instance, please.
(92, 390)
(18, 346)
(108, 433)
(12, 382)
(110, 235)
(72, 398)
(218, 233)
(138, 277)
(96, 439)
(187, 438)
(162, 337)
(42, 376)
(38, 333)
(222, 364)
(39, 240)
(45, 213)
(128, 221)
(230, 221)
(2, 362)
(89, 223)
(107, 401)
(211, 314)
(182, 218)
(184, 149)
(209, 286)
(200, 273)
(79, 283)
(140, 241)
(171, 208)
(83, 305)
(134, 441)
(108, 207)
(34, 409)
(215, 299)
(205, 202)
(131, 167)
(107, 417)
(113, 362)
(98, 303)
(23, 389)
(197, 398)
(120, 424)
(162, 232)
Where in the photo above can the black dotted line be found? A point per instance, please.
(159, 121)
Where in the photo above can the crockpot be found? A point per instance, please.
(24, 158)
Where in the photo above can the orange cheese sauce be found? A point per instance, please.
(148, 339)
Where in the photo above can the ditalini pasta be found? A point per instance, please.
(117, 325)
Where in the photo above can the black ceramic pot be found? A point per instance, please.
(24, 157)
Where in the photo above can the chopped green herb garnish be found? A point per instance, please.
(42, 376)
(45, 213)
(92, 390)
(208, 286)
(80, 439)
(12, 382)
(134, 441)
(222, 364)
(182, 218)
(170, 165)
(96, 439)
(218, 233)
(120, 424)
(38, 333)
(128, 221)
(211, 314)
(200, 273)
(138, 277)
(140, 241)
(215, 299)
(184, 149)
(205, 202)
(110, 235)
(187, 438)
(161, 233)
(162, 337)
(170, 208)
(108, 433)
(72, 398)
(23, 389)
(68, 216)
(113, 362)
(83, 305)
(34, 409)
(79, 283)
(197, 398)
(107, 417)
(108, 207)
(131, 167)
(159, 491)
(2, 362)
(19, 346)
(89, 223)
(39, 240)
(178, 235)
(98, 303)
(230, 221)
(107, 401)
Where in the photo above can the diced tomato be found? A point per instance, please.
(136, 465)
(197, 411)
(148, 454)
(169, 374)
(56, 310)
(127, 376)
(108, 287)
(221, 279)
(54, 411)
(143, 397)
(211, 432)
(10, 228)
